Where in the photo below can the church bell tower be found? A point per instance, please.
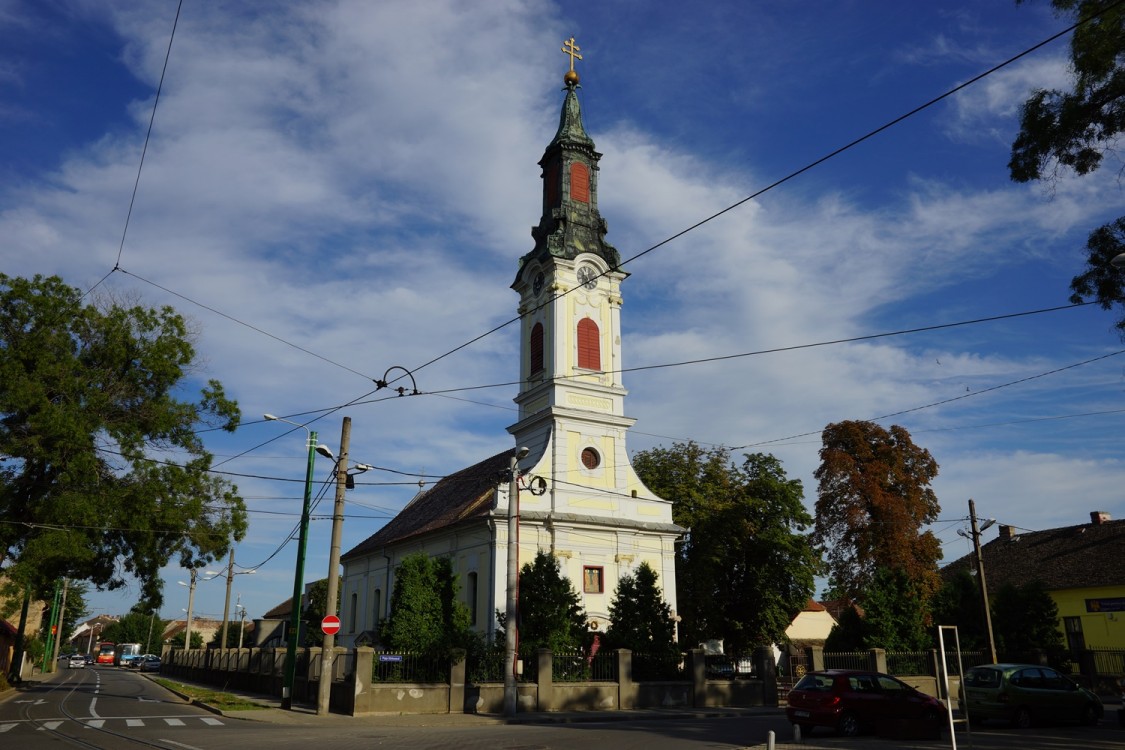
(571, 397)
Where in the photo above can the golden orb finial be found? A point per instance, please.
(570, 48)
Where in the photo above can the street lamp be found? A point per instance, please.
(191, 601)
(230, 574)
(511, 695)
(242, 621)
(343, 483)
(975, 537)
(299, 575)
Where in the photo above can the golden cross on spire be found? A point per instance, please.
(570, 48)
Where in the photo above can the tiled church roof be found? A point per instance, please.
(466, 494)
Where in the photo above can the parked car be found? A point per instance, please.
(851, 701)
(75, 661)
(148, 663)
(1026, 693)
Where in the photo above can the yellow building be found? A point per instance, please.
(1083, 568)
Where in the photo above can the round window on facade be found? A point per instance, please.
(590, 458)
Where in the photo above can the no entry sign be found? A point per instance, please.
(330, 625)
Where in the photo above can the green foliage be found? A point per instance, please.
(1073, 130)
(177, 640)
(233, 626)
(315, 612)
(550, 610)
(144, 628)
(874, 497)
(88, 412)
(895, 613)
(639, 618)
(425, 614)
(34, 648)
(958, 602)
(746, 566)
(1025, 619)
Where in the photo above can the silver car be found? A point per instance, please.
(76, 661)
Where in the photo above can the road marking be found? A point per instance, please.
(134, 723)
(174, 722)
(180, 744)
(51, 725)
(95, 724)
(39, 702)
(213, 722)
(93, 703)
(5, 727)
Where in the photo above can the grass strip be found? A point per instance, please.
(218, 699)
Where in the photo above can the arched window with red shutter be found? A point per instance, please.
(589, 345)
(536, 346)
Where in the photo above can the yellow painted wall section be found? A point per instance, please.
(1104, 629)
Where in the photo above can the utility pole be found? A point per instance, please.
(511, 636)
(980, 575)
(61, 619)
(324, 688)
(226, 605)
(51, 629)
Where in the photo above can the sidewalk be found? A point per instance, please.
(305, 714)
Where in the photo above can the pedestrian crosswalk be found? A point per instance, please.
(51, 725)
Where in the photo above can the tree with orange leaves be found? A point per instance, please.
(874, 497)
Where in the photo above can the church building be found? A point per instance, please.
(579, 498)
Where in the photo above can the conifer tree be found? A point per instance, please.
(640, 620)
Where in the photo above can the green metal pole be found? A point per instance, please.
(52, 625)
(298, 584)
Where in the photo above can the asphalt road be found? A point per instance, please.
(112, 709)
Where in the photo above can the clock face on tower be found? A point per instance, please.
(588, 277)
(537, 284)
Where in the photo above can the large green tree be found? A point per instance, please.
(550, 610)
(639, 618)
(1073, 130)
(958, 602)
(746, 566)
(145, 628)
(874, 497)
(425, 616)
(1026, 619)
(104, 472)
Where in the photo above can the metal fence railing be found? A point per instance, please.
(406, 667)
(648, 667)
(576, 666)
(909, 662)
(845, 659)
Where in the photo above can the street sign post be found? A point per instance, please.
(330, 625)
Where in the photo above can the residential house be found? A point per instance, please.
(1083, 568)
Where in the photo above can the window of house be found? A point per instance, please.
(353, 612)
(589, 345)
(593, 579)
(590, 458)
(536, 343)
(471, 593)
(376, 601)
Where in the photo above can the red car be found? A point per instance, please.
(850, 701)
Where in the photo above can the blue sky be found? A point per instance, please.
(359, 179)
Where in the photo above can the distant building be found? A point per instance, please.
(1083, 568)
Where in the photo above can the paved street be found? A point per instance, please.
(113, 709)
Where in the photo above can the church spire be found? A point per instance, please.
(571, 223)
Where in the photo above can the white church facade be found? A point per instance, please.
(580, 498)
